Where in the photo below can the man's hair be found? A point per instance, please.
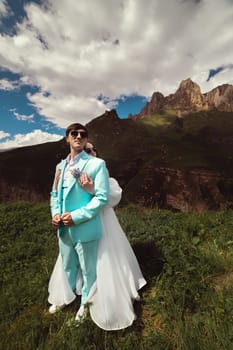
(75, 126)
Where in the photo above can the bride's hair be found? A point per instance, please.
(93, 148)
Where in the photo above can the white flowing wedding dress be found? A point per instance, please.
(119, 276)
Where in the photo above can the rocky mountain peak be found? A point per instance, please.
(188, 98)
(188, 84)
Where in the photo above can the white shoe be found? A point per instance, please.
(55, 308)
(81, 314)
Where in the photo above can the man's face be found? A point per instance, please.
(77, 139)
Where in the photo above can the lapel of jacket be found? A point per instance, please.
(80, 166)
(59, 189)
(62, 167)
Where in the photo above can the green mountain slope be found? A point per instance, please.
(205, 140)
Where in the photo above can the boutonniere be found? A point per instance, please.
(76, 173)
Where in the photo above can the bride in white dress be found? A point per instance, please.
(119, 276)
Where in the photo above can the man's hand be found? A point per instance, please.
(56, 220)
(86, 183)
(67, 219)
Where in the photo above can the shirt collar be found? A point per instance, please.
(75, 160)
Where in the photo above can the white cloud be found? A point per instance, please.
(3, 135)
(4, 9)
(33, 138)
(223, 77)
(23, 117)
(8, 85)
(67, 109)
(75, 51)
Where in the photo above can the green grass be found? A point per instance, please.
(193, 122)
(187, 259)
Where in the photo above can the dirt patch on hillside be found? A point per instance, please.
(223, 281)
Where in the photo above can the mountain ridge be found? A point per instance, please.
(188, 98)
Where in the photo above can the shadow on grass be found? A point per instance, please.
(149, 258)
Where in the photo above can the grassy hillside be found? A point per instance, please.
(204, 141)
(187, 259)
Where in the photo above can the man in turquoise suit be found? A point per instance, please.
(75, 212)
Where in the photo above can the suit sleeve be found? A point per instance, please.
(100, 198)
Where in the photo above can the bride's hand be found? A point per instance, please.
(86, 183)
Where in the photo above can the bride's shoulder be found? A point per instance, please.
(115, 192)
(113, 182)
(114, 185)
(112, 179)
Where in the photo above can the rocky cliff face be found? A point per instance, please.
(175, 189)
(188, 98)
(155, 105)
(220, 98)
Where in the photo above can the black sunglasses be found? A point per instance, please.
(90, 149)
(74, 134)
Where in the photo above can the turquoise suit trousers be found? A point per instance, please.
(76, 257)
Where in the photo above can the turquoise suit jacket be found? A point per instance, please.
(83, 206)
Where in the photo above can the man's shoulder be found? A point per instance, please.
(61, 163)
(96, 161)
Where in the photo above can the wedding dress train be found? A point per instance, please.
(119, 276)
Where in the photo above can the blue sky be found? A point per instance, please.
(66, 61)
